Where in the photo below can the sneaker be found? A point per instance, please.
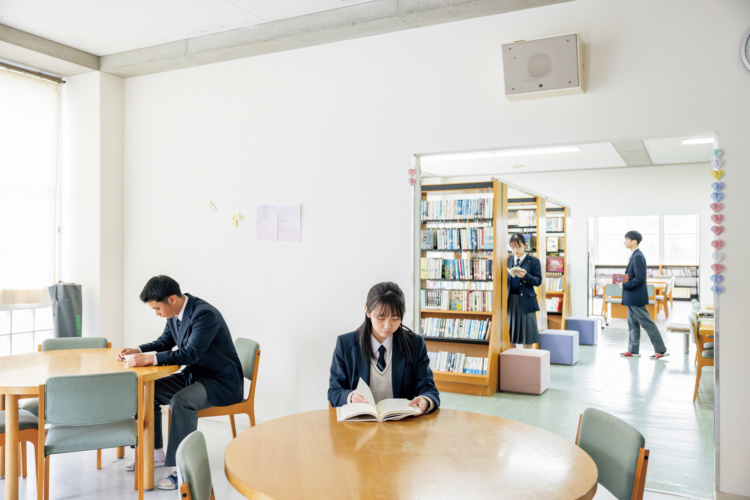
(131, 465)
(169, 482)
(660, 355)
(628, 354)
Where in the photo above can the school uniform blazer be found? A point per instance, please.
(635, 291)
(205, 347)
(533, 278)
(409, 379)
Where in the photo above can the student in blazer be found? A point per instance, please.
(522, 300)
(212, 375)
(635, 297)
(382, 345)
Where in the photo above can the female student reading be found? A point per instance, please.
(525, 274)
(388, 356)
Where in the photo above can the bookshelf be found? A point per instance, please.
(557, 287)
(687, 278)
(460, 284)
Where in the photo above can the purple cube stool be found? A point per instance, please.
(561, 344)
(588, 329)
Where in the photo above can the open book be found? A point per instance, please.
(513, 271)
(387, 409)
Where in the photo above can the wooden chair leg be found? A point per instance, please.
(252, 417)
(98, 459)
(697, 381)
(46, 477)
(120, 452)
(22, 451)
(234, 429)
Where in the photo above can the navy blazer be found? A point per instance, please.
(409, 380)
(533, 278)
(205, 346)
(635, 291)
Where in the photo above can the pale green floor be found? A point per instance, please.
(653, 396)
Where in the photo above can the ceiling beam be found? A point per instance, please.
(35, 52)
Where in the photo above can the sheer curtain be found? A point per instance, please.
(29, 110)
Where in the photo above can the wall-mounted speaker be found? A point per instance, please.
(543, 68)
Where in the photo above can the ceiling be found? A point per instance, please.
(137, 37)
(600, 155)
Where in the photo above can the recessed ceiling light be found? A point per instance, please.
(517, 166)
(699, 140)
(500, 152)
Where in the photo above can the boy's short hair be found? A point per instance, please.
(634, 235)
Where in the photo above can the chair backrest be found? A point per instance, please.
(612, 290)
(694, 327)
(192, 466)
(651, 291)
(615, 446)
(246, 349)
(63, 343)
(91, 399)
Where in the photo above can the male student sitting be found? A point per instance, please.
(212, 374)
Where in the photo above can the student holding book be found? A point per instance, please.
(386, 355)
(525, 272)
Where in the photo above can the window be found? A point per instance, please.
(681, 239)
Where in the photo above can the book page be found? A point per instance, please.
(366, 393)
(395, 409)
(361, 412)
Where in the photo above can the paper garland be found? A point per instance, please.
(717, 218)
(412, 173)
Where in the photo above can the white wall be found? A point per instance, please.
(334, 127)
(91, 199)
(671, 190)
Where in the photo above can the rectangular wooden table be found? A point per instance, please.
(22, 374)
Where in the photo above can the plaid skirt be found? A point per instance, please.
(522, 325)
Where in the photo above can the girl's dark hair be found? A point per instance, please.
(517, 238)
(385, 298)
(159, 289)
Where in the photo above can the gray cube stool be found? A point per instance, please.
(588, 329)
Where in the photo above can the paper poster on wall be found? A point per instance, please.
(289, 223)
(266, 222)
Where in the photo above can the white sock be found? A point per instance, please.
(159, 455)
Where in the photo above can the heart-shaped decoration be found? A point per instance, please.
(717, 256)
(717, 230)
(717, 268)
(717, 163)
(717, 174)
(412, 172)
(717, 244)
(717, 278)
(717, 207)
(717, 289)
(717, 218)
(717, 186)
(717, 196)
(716, 153)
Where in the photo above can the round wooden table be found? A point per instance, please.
(22, 374)
(446, 454)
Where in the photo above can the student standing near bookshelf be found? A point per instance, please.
(389, 357)
(526, 273)
(635, 296)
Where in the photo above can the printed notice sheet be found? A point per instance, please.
(288, 221)
(266, 222)
(274, 222)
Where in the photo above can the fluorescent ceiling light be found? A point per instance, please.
(699, 140)
(500, 152)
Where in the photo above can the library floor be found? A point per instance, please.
(654, 396)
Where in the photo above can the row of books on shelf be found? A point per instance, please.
(457, 285)
(477, 208)
(526, 218)
(457, 239)
(555, 243)
(455, 328)
(455, 269)
(554, 283)
(678, 271)
(554, 304)
(455, 300)
(556, 224)
(457, 362)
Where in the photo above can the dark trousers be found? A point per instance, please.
(638, 317)
(184, 400)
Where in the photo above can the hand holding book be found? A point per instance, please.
(387, 409)
(620, 278)
(517, 272)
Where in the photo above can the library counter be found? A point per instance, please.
(446, 454)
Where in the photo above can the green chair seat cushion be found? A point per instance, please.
(31, 404)
(660, 297)
(65, 438)
(614, 301)
(709, 354)
(678, 328)
(26, 420)
(708, 345)
(651, 302)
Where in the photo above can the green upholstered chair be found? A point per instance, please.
(28, 426)
(61, 344)
(612, 300)
(89, 412)
(618, 452)
(249, 353)
(193, 471)
(704, 353)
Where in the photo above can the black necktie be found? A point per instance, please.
(177, 322)
(518, 263)
(381, 358)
